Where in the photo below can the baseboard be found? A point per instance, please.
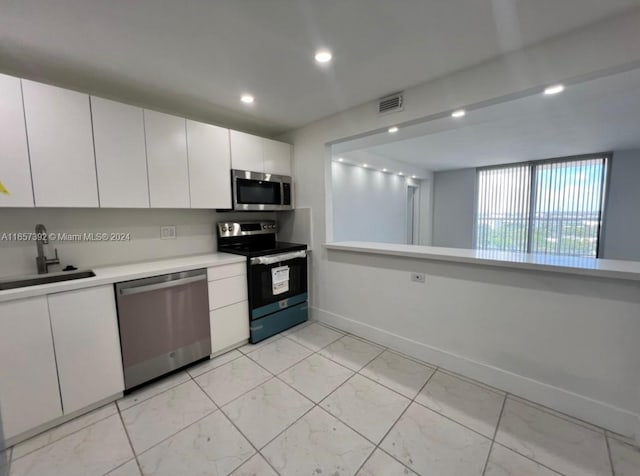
(578, 406)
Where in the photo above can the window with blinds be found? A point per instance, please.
(502, 219)
(550, 207)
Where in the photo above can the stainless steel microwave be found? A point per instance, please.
(258, 191)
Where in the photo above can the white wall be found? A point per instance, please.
(453, 208)
(539, 335)
(612, 45)
(426, 211)
(621, 234)
(195, 234)
(368, 205)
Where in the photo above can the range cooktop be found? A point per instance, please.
(252, 250)
(252, 238)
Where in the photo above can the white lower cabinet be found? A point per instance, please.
(29, 393)
(87, 343)
(229, 307)
(229, 326)
(224, 292)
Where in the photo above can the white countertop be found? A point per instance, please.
(126, 272)
(603, 268)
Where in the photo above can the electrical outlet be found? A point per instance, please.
(417, 277)
(168, 232)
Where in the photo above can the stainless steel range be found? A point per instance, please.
(276, 275)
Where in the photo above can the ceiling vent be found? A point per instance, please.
(393, 103)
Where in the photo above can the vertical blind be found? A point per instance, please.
(503, 208)
(550, 207)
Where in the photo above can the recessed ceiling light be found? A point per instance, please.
(340, 159)
(384, 170)
(393, 129)
(247, 98)
(413, 176)
(365, 165)
(555, 89)
(400, 173)
(323, 56)
(458, 113)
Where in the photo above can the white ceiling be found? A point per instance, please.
(595, 116)
(196, 57)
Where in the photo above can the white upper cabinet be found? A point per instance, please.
(167, 160)
(277, 157)
(209, 165)
(246, 152)
(85, 333)
(29, 393)
(61, 146)
(121, 158)
(257, 154)
(15, 172)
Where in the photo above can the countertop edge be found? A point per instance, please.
(428, 253)
(112, 274)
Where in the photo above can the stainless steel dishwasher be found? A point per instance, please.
(164, 324)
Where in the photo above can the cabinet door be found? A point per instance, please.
(61, 146)
(15, 172)
(224, 292)
(246, 152)
(167, 160)
(209, 165)
(85, 334)
(121, 158)
(277, 157)
(29, 393)
(229, 326)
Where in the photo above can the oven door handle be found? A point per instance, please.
(271, 259)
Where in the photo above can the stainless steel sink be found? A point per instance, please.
(46, 279)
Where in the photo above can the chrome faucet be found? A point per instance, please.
(42, 261)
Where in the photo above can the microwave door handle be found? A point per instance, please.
(271, 259)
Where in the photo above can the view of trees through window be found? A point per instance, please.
(550, 207)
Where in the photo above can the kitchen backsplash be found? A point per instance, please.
(194, 229)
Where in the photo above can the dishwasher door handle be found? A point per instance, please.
(166, 284)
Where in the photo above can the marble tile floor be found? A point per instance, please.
(315, 401)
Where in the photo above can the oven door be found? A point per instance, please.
(276, 281)
(258, 191)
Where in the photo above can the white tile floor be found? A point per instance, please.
(318, 402)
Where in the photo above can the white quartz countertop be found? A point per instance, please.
(603, 268)
(125, 272)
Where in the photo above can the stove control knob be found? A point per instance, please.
(224, 228)
(264, 227)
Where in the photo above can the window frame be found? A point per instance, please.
(533, 193)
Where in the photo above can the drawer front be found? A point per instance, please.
(226, 271)
(278, 321)
(227, 291)
(229, 326)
